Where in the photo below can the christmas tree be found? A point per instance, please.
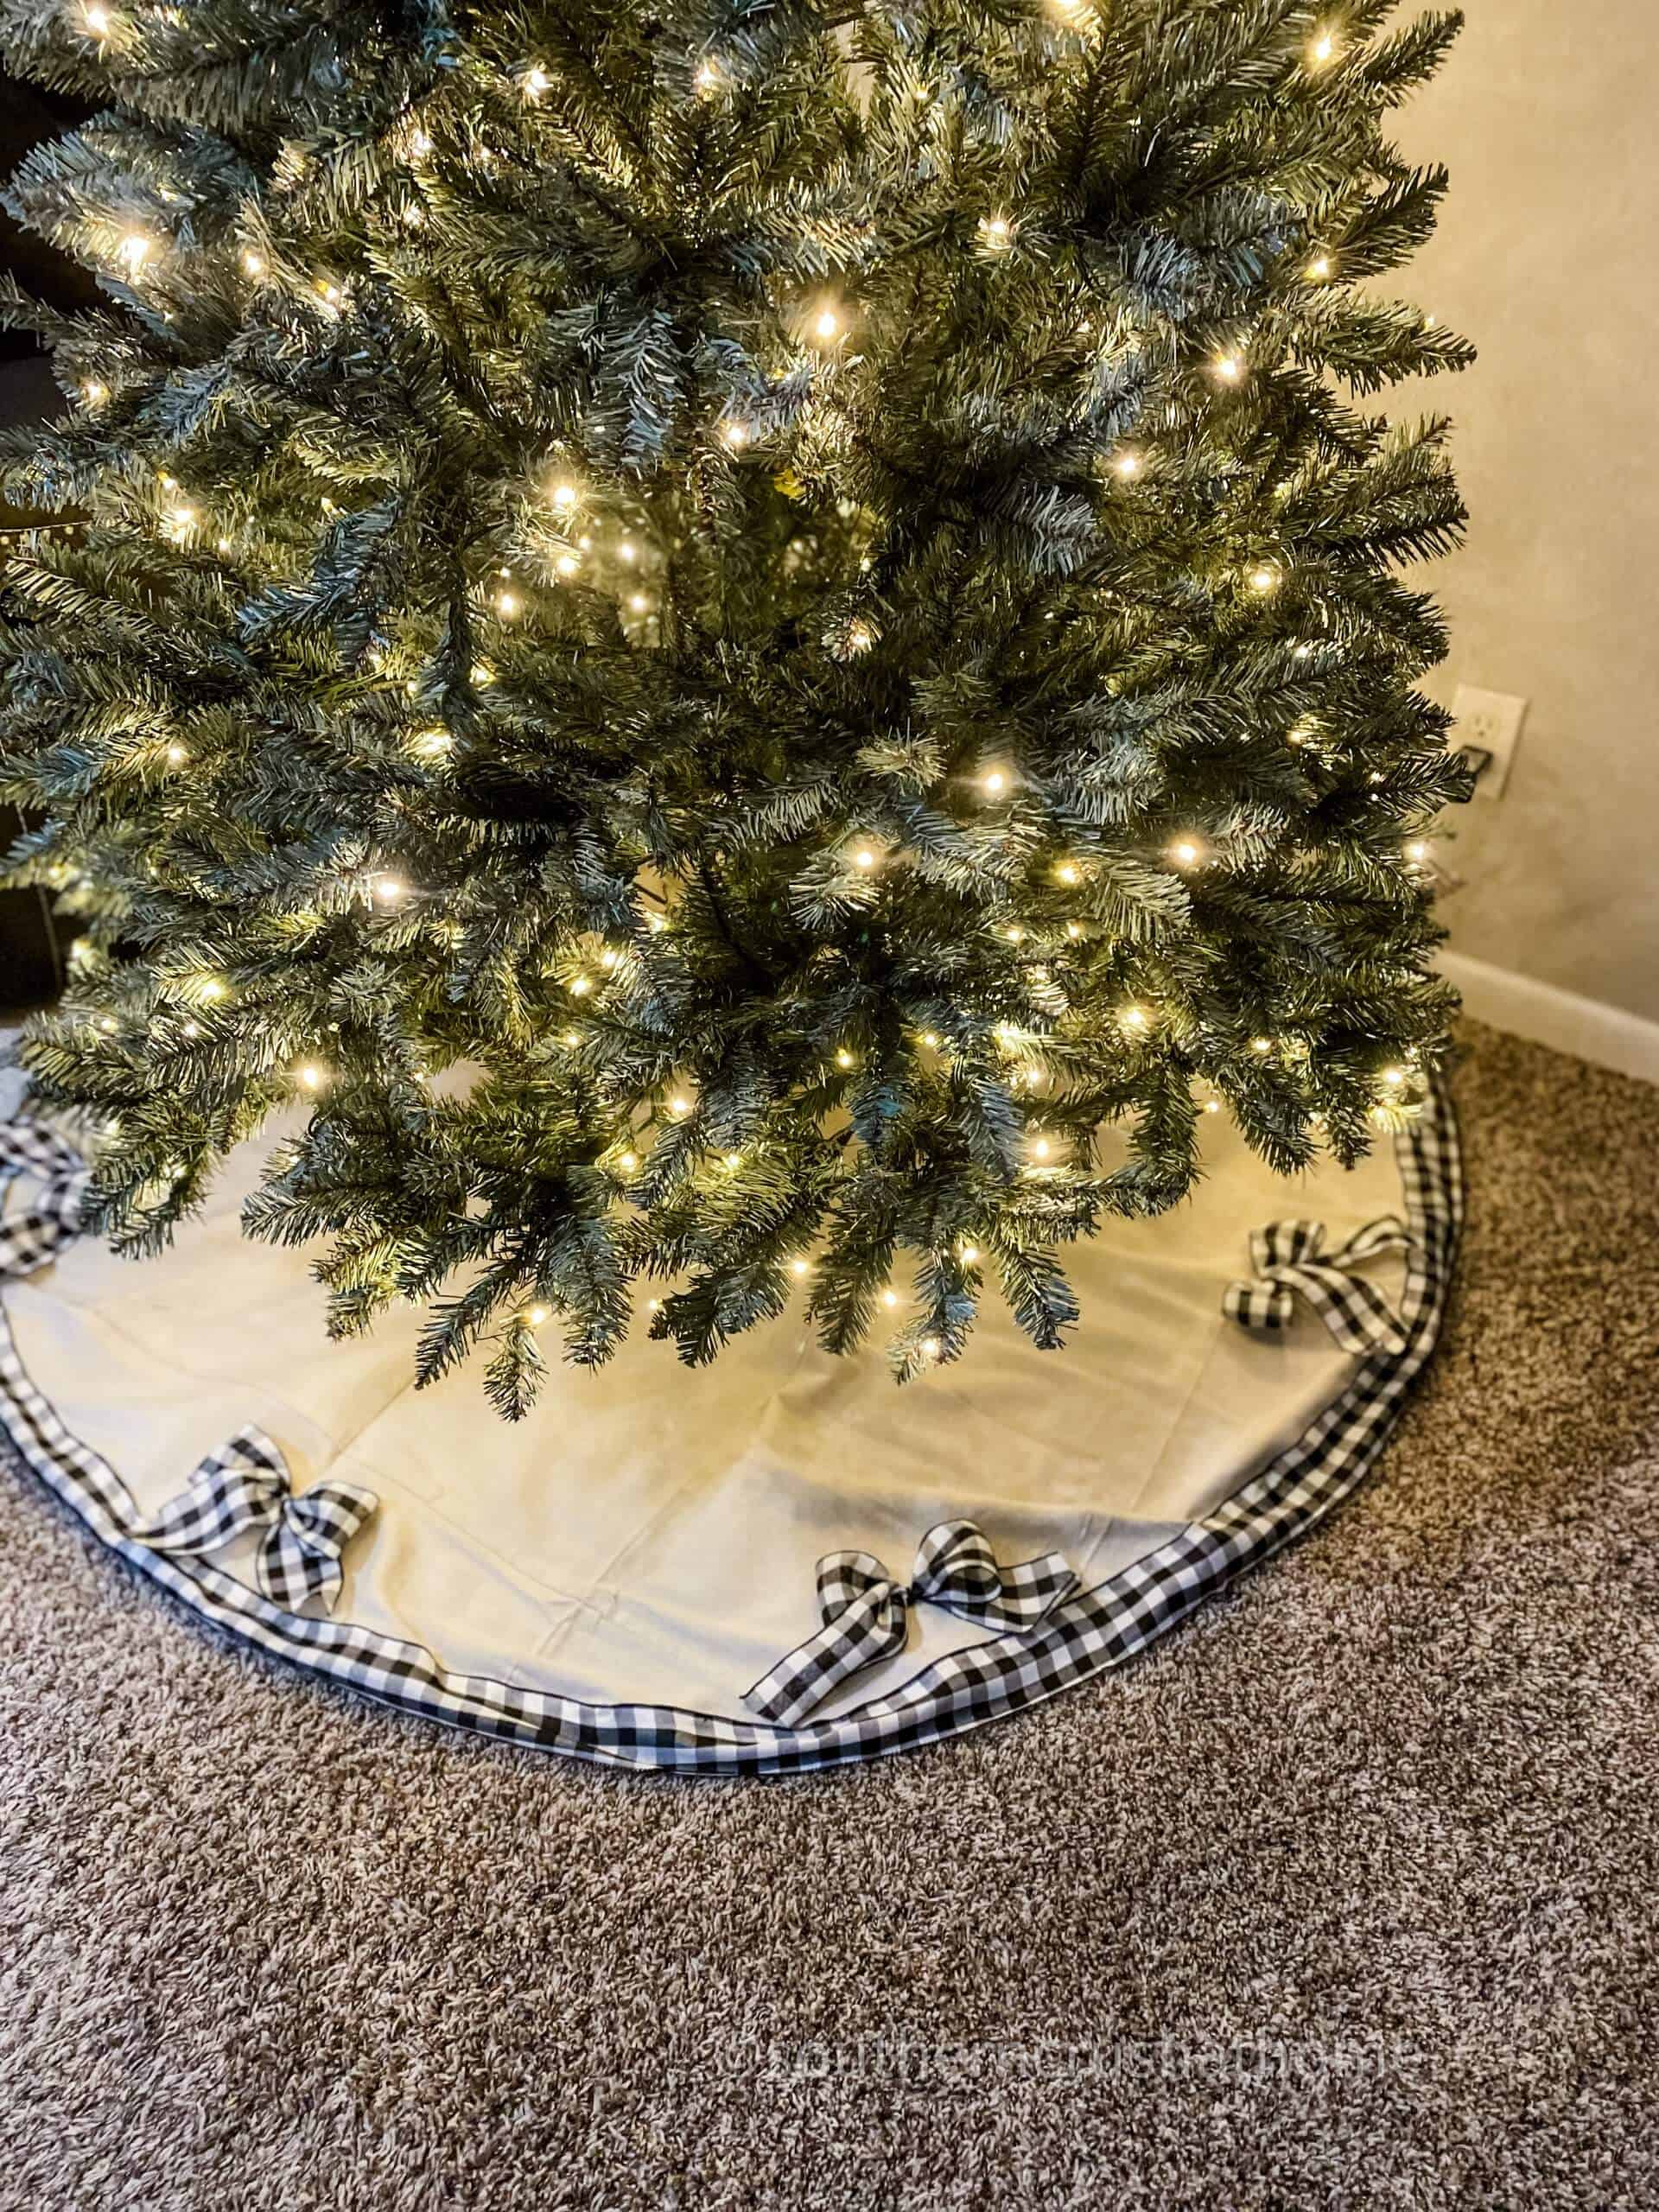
(754, 649)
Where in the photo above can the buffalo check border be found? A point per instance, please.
(1087, 1633)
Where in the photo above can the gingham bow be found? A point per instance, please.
(1290, 1260)
(244, 1486)
(32, 1235)
(865, 1613)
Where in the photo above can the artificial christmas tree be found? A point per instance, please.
(720, 632)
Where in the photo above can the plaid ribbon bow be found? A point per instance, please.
(245, 1485)
(1290, 1260)
(866, 1614)
(28, 1238)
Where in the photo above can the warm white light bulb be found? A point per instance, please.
(679, 1108)
(827, 328)
(567, 565)
(707, 79)
(1040, 1148)
(1319, 268)
(565, 496)
(311, 1076)
(889, 1298)
(507, 605)
(1262, 1046)
(1186, 853)
(1069, 871)
(134, 249)
(1133, 1017)
(1128, 464)
(864, 857)
(536, 1316)
(969, 1255)
(929, 1039)
(1230, 368)
(628, 1162)
(994, 781)
(536, 81)
(734, 1161)
(580, 986)
(800, 1267)
(97, 20)
(931, 1347)
(1264, 579)
(252, 262)
(389, 890)
(1324, 47)
(735, 434)
(843, 1058)
(626, 550)
(996, 233)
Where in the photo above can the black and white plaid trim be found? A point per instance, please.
(1091, 1631)
(245, 1485)
(865, 1613)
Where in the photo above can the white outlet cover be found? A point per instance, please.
(1488, 721)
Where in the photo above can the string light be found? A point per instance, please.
(1213, 1105)
(734, 435)
(1417, 850)
(1265, 579)
(536, 81)
(134, 249)
(1074, 929)
(311, 1076)
(969, 1255)
(1068, 872)
(1128, 464)
(638, 602)
(210, 988)
(432, 742)
(843, 1058)
(827, 326)
(1230, 368)
(565, 496)
(252, 262)
(1187, 852)
(1318, 269)
(389, 890)
(996, 233)
(567, 565)
(994, 781)
(177, 755)
(864, 858)
(1040, 1148)
(1323, 48)
(708, 79)
(1262, 1046)
(860, 637)
(626, 550)
(536, 1316)
(579, 986)
(628, 1162)
(679, 1108)
(1135, 1019)
(889, 1298)
(800, 1267)
(94, 392)
(1393, 1077)
(733, 1161)
(507, 605)
(929, 1039)
(931, 1348)
(97, 20)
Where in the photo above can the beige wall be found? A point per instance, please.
(1547, 258)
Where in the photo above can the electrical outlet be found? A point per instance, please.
(1489, 723)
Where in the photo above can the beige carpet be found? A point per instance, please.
(1346, 1897)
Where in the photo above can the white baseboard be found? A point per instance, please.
(1607, 1036)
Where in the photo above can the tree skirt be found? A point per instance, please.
(778, 1562)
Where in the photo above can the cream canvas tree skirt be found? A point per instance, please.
(611, 1576)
